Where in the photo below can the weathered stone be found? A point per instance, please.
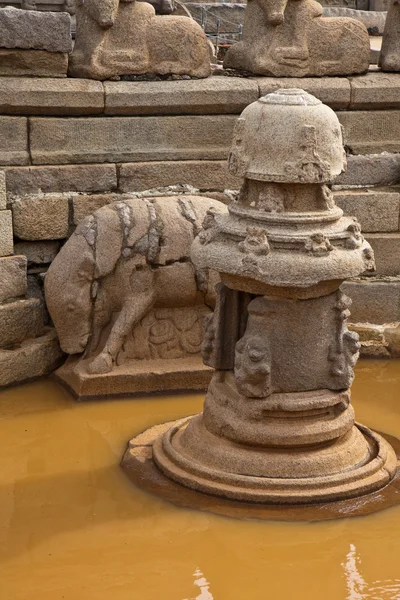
(390, 53)
(12, 277)
(41, 217)
(3, 194)
(292, 39)
(375, 209)
(6, 233)
(134, 248)
(373, 301)
(38, 253)
(369, 132)
(376, 90)
(333, 92)
(65, 178)
(32, 63)
(126, 38)
(201, 174)
(284, 357)
(125, 139)
(135, 377)
(386, 247)
(216, 95)
(14, 141)
(28, 29)
(33, 358)
(19, 320)
(85, 204)
(371, 18)
(392, 336)
(50, 96)
(374, 169)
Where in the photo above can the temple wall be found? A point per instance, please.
(70, 146)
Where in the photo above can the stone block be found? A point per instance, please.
(50, 96)
(214, 95)
(368, 16)
(375, 90)
(128, 139)
(373, 301)
(38, 253)
(369, 170)
(3, 191)
(378, 5)
(375, 209)
(33, 63)
(28, 29)
(333, 92)
(13, 282)
(41, 217)
(368, 132)
(85, 204)
(33, 358)
(14, 141)
(6, 233)
(20, 320)
(66, 178)
(386, 247)
(201, 174)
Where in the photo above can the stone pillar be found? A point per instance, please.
(277, 424)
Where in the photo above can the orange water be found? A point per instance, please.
(73, 527)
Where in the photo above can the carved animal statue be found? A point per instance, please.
(389, 59)
(290, 38)
(123, 260)
(125, 37)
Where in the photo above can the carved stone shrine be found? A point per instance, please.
(277, 425)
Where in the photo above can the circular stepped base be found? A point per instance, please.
(367, 493)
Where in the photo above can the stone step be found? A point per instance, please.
(369, 170)
(20, 320)
(374, 301)
(377, 209)
(33, 358)
(13, 277)
(386, 247)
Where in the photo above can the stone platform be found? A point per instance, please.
(139, 466)
(136, 378)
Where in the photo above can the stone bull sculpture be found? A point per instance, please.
(125, 37)
(121, 262)
(291, 38)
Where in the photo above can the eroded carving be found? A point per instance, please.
(252, 366)
(344, 351)
(125, 37)
(318, 245)
(210, 228)
(292, 39)
(127, 269)
(256, 242)
(278, 427)
(308, 166)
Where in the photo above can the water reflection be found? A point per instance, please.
(359, 589)
(203, 584)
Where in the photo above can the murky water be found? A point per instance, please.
(73, 527)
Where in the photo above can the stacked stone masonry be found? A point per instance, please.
(28, 349)
(33, 43)
(70, 146)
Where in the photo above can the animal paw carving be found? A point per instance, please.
(101, 364)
